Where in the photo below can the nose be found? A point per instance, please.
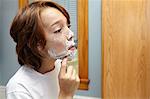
(69, 35)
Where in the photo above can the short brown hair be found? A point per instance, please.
(27, 31)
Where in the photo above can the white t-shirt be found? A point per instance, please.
(30, 84)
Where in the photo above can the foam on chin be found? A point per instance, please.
(60, 55)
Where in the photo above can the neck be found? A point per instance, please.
(47, 65)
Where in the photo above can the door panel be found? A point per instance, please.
(126, 49)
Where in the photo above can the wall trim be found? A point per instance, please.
(84, 97)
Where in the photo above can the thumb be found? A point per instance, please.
(63, 67)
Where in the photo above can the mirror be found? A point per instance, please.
(79, 22)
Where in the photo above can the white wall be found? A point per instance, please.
(2, 92)
(8, 55)
(0, 43)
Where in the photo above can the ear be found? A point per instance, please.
(39, 47)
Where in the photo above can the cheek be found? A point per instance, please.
(57, 43)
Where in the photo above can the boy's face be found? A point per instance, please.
(59, 38)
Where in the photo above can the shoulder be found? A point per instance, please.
(18, 81)
(18, 95)
(15, 89)
(24, 80)
(14, 86)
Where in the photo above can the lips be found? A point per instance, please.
(72, 47)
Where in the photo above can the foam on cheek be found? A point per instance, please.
(54, 54)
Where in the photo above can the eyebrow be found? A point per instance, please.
(58, 21)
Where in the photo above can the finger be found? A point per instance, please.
(63, 67)
(69, 71)
(73, 77)
(77, 79)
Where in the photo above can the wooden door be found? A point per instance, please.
(126, 49)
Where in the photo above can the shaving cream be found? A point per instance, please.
(65, 52)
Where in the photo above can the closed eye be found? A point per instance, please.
(57, 31)
(69, 25)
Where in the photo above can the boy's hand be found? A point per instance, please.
(68, 80)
